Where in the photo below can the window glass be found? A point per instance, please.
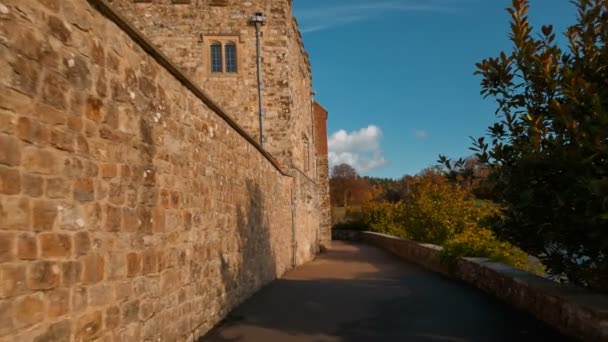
(216, 57)
(230, 57)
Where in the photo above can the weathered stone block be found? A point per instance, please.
(130, 312)
(77, 72)
(72, 217)
(116, 265)
(79, 299)
(43, 275)
(71, 271)
(7, 247)
(41, 161)
(58, 302)
(93, 269)
(27, 247)
(133, 264)
(98, 295)
(136, 221)
(32, 185)
(10, 181)
(84, 190)
(15, 213)
(13, 280)
(6, 122)
(88, 326)
(93, 109)
(82, 243)
(149, 261)
(25, 76)
(57, 188)
(53, 5)
(112, 317)
(54, 91)
(49, 115)
(6, 317)
(29, 310)
(57, 332)
(44, 214)
(54, 245)
(82, 145)
(10, 150)
(113, 218)
(159, 220)
(116, 193)
(122, 290)
(63, 140)
(59, 29)
(169, 281)
(108, 171)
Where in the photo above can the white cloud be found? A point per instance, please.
(360, 149)
(421, 134)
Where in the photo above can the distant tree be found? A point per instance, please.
(385, 189)
(347, 188)
(344, 171)
(548, 152)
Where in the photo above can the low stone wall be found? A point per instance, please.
(571, 310)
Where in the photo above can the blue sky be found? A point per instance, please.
(397, 75)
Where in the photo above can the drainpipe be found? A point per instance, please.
(294, 242)
(259, 20)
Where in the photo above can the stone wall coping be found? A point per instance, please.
(596, 302)
(573, 310)
(176, 72)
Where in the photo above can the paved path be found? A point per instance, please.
(357, 292)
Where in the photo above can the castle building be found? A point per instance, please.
(216, 43)
(249, 57)
(160, 161)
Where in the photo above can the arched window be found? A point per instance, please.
(216, 57)
(230, 57)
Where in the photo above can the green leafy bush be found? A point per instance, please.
(438, 210)
(441, 212)
(483, 243)
(384, 217)
(548, 149)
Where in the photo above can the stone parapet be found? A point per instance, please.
(573, 311)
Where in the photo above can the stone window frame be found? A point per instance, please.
(208, 41)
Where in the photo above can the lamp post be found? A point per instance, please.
(258, 19)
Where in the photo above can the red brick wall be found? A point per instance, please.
(320, 121)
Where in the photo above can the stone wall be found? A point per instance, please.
(184, 30)
(322, 164)
(131, 207)
(573, 311)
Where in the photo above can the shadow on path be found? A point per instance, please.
(360, 293)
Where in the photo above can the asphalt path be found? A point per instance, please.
(357, 292)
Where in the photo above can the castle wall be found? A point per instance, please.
(184, 31)
(130, 207)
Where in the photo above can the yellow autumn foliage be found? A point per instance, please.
(443, 213)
